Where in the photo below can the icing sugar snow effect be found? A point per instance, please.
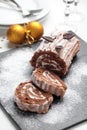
(79, 70)
(14, 69)
(62, 110)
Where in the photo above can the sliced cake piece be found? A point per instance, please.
(56, 54)
(30, 98)
(48, 81)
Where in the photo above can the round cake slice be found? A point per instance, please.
(48, 81)
(29, 98)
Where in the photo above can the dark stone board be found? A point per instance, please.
(72, 109)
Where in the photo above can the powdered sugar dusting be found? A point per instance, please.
(15, 68)
(79, 70)
(62, 110)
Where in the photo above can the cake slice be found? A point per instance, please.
(48, 81)
(29, 98)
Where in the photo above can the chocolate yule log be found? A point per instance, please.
(48, 81)
(29, 98)
(56, 52)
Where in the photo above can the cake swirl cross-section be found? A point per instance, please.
(49, 82)
(56, 54)
(30, 98)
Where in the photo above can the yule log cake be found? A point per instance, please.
(56, 53)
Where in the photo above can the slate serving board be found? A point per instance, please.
(15, 68)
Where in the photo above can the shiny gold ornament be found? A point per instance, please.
(16, 34)
(34, 31)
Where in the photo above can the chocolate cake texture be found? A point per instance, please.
(49, 82)
(29, 98)
(56, 54)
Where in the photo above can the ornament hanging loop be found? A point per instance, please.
(29, 39)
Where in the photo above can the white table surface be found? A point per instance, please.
(52, 21)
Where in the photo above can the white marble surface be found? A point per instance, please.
(52, 21)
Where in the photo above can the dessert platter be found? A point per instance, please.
(44, 86)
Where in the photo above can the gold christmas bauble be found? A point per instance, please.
(35, 29)
(16, 34)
